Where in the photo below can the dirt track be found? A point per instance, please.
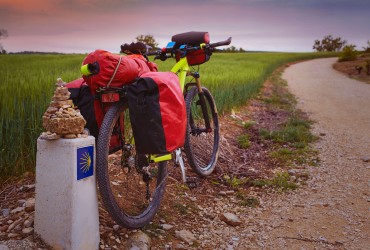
(333, 210)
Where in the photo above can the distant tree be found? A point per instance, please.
(231, 49)
(148, 40)
(241, 49)
(329, 43)
(3, 35)
(367, 48)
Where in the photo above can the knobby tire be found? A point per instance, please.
(126, 207)
(201, 148)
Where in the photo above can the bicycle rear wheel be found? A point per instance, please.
(201, 146)
(130, 188)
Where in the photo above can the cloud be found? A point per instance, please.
(280, 25)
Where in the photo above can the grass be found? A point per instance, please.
(247, 201)
(243, 141)
(234, 182)
(27, 85)
(280, 181)
(296, 130)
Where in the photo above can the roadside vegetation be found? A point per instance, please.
(277, 139)
(27, 85)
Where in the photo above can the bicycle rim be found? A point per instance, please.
(127, 195)
(201, 147)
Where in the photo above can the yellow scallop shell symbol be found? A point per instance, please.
(85, 162)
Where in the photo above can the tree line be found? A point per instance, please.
(328, 43)
(333, 44)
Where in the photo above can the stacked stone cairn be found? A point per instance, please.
(61, 119)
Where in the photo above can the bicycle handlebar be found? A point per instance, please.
(161, 54)
(222, 43)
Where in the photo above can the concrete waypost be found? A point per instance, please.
(66, 213)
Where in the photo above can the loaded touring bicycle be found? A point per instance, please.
(146, 121)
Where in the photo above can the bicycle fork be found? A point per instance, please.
(202, 102)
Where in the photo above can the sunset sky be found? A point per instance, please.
(79, 26)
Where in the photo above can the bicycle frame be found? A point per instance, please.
(181, 67)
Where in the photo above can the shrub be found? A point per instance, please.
(348, 53)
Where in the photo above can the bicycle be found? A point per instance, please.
(132, 191)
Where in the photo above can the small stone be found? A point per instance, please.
(3, 228)
(52, 136)
(5, 212)
(30, 205)
(70, 136)
(28, 223)
(139, 240)
(17, 210)
(51, 110)
(115, 227)
(12, 235)
(322, 238)
(29, 187)
(230, 219)
(322, 134)
(186, 236)
(27, 230)
(365, 159)
(167, 226)
(180, 246)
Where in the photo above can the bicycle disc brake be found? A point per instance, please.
(127, 160)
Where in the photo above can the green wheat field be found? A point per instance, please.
(27, 85)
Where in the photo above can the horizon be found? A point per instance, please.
(82, 26)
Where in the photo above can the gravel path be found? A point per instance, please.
(333, 210)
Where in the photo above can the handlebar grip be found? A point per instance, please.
(223, 43)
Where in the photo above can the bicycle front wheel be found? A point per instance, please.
(131, 189)
(201, 145)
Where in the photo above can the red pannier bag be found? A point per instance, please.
(157, 113)
(116, 70)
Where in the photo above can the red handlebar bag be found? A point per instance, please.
(157, 113)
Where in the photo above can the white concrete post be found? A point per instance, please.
(66, 210)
